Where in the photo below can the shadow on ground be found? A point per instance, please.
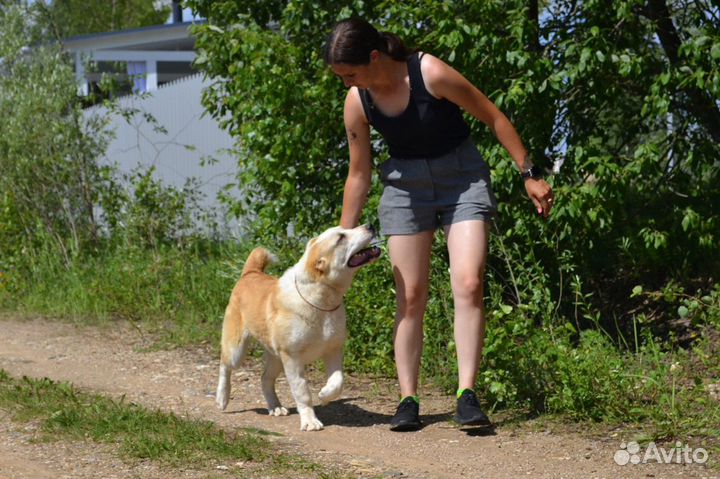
(344, 412)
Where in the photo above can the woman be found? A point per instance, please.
(434, 178)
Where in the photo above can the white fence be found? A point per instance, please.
(177, 143)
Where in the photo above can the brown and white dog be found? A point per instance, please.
(298, 318)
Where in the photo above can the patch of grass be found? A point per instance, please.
(181, 293)
(533, 360)
(141, 434)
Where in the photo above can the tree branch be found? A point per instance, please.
(699, 104)
(532, 14)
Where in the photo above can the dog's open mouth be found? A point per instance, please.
(364, 256)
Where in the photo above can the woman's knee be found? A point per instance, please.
(468, 287)
(411, 301)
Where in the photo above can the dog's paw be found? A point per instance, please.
(312, 424)
(278, 411)
(327, 394)
(222, 399)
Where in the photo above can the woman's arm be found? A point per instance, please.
(443, 81)
(358, 180)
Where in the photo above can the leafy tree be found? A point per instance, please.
(619, 99)
(68, 18)
(638, 121)
(50, 179)
(624, 94)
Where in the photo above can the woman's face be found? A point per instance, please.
(360, 76)
(353, 75)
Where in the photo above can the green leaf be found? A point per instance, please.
(715, 51)
(506, 309)
(497, 388)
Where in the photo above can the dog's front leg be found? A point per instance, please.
(295, 374)
(333, 366)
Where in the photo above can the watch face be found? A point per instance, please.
(533, 172)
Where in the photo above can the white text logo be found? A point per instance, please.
(630, 453)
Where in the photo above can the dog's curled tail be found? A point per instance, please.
(258, 260)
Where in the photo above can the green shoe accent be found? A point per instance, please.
(460, 391)
(469, 412)
(414, 398)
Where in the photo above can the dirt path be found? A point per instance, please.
(356, 436)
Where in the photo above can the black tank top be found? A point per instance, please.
(427, 128)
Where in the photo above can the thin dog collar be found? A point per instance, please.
(308, 302)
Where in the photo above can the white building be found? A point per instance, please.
(155, 64)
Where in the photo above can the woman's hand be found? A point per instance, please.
(541, 195)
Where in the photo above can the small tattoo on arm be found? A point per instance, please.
(352, 136)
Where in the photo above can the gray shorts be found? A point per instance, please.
(424, 194)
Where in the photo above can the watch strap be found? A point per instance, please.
(532, 172)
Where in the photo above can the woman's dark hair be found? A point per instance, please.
(352, 40)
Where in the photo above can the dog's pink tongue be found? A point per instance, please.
(364, 256)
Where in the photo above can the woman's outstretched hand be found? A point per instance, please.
(541, 194)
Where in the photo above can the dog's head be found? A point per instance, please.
(337, 254)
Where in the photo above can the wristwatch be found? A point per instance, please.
(533, 172)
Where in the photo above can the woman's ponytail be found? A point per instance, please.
(396, 48)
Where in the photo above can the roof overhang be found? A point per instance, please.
(170, 37)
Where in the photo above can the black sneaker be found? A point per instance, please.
(407, 416)
(469, 412)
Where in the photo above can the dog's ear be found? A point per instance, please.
(317, 264)
(321, 265)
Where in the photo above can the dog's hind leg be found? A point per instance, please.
(333, 365)
(233, 352)
(273, 368)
